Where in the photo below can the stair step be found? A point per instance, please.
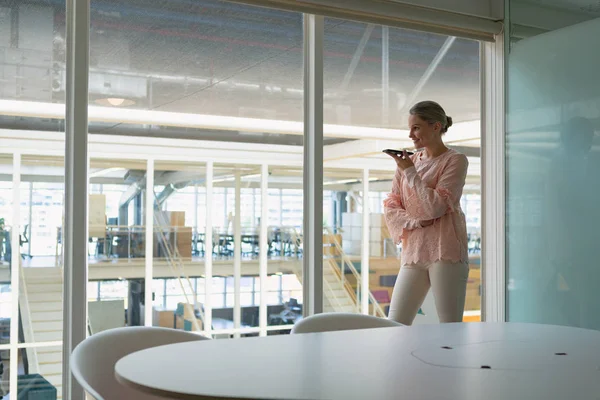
(51, 369)
(50, 357)
(44, 297)
(51, 305)
(343, 303)
(45, 326)
(47, 336)
(48, 350)
(44, 288)
(55, 379)
(40, 316)
(47, 275)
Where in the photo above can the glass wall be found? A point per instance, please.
(552, 165)
(215, 83)
(117, 243)
(373, 75)
(179, 199)
(32, 69)
(41, 274)
(181, 86)
(181, 251)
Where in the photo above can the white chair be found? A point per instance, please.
(93, 360)
(328, 322)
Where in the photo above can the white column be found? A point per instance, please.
(281, 209)
(208, 243)
(225, 216)
(196, 230)
(30, 216)
(253, 207)
(364, 262)
(385, 74)
(312, 280)
(263, 248)
(75, 230)
(237, 254)
(493, 175)
(15, 262)
(148, 276)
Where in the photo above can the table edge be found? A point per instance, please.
(166, 393)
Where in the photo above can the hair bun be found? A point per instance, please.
(449, 122)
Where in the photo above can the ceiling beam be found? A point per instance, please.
(429, 71)
(356, 57)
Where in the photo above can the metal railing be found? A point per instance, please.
(341, 269)
(177, 266)
(127, 241)
(27, 324)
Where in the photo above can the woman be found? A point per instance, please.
(423, 212)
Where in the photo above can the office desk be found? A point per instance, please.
(467, 361)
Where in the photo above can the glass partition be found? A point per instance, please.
(552, 154)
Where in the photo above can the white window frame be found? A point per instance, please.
(493, 175)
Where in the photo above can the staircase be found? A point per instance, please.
(40, 302)
(338, 296)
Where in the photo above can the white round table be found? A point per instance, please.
(491, 361)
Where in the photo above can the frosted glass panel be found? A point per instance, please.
(553, 169)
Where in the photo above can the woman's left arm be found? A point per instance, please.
(428, 203)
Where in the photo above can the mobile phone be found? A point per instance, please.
(397, 152)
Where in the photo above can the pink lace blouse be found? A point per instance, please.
(429, 191)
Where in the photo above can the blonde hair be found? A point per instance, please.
(432, 112)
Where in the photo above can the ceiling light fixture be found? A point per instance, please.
(460, 131)
(114, 102)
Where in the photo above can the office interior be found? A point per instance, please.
(196, 156)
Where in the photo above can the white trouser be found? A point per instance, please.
(448, 282)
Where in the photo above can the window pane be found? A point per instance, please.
(387, 71)
(246, 299)
(247, 284)
(41, 246)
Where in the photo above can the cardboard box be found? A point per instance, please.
(97, 215)
(188, 317)
(329, 247)
(184, 243)
(165, 318)
(177, 218)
